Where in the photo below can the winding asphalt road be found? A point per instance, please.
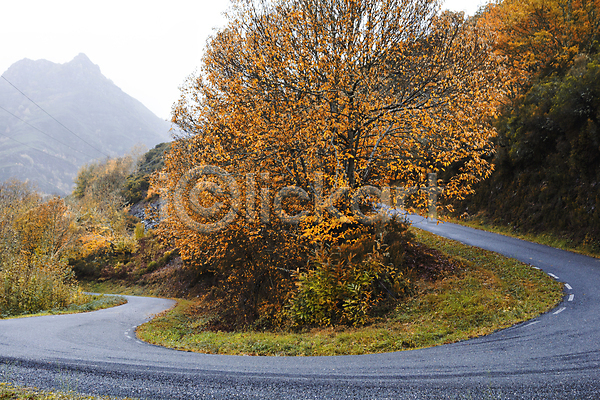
(555, 356)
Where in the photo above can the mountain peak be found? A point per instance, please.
(80, 66)
(81, 61)
(81, 57)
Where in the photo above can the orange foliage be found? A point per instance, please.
(36, 237)
(538, 36)
(350, 93)
(48, 229)
(368, 92)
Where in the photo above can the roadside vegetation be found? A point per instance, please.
(546, 181)
(37, 237)
(86, 303)
(12, 392)
(475, 293)
(48, 243)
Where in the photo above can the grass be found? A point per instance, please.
(490, 292)
(588, 248)
(11, 392)
(90, 303)
(116, 287)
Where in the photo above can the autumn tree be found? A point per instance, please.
(327, 94)
(535, 38)
(48, 229)
(100, 205)
(353, 93)
(364, 91)
(16, 198)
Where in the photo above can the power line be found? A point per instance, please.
(41, 176)
(25, 144)
(60, 123)
(44, 133)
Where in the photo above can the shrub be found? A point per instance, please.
(36, 237)
(139, 231)
(247, 274)
(30, 287)
(355, 282)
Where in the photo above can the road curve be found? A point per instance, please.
(555, 356)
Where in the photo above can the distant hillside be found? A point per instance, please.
(108, 121)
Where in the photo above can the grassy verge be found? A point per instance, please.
(488, 293)
(10, 392)
(117, 287)
(89, 303)
(546, 238)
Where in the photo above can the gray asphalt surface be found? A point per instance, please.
(555, 356)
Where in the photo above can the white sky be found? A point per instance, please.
(147, 48)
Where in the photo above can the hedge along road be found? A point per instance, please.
(555, 356)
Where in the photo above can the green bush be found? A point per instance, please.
(152, 266)
(353, 284)
(139, 231)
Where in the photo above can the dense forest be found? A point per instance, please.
(547, 160)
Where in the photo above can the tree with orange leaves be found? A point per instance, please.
(537, 37)
(306, 94)
(364, 91)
